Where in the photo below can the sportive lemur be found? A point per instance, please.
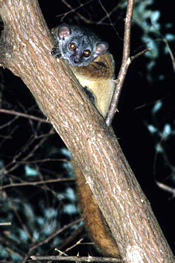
(93, 66)
(89, 60)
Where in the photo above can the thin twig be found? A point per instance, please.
(37, 183)
(166, 188)
(15, 164)
(74, 10)
(140, 53)
(170, 52)
(46, 240)
(18, 216)
(20, 114)
(71, 238)
(74, 245)
(77, 259)
(167, 45)
(125, 63)
(5, 224)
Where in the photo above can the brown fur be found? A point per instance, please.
(93, 219)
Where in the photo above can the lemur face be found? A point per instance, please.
(78, 45)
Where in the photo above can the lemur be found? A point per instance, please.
(93, 66)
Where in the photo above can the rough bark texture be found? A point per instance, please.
(25, 50)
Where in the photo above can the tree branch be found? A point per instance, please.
(25, 50)
(76, 259)
(125, 63)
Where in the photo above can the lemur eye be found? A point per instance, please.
(72, 46)
(87, 53)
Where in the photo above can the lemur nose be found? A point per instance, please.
(76, 60)
(77, 56)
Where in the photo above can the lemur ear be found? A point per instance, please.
(101, 48)
(63, 31)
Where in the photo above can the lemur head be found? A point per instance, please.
(79, 45)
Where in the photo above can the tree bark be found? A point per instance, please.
(25, 49)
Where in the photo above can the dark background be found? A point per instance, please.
(144, 126)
